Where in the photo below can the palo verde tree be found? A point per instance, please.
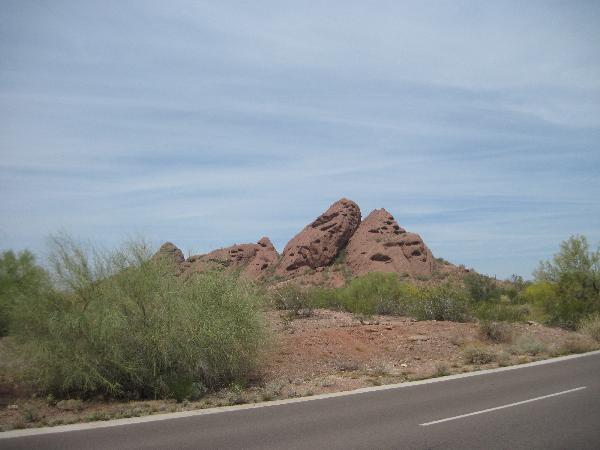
(571, 282)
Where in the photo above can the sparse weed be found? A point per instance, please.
(31, 414)
(457, 339)
(577, 344)
(590, 326)
(441, 370)
(51, 400)
(529, 345)
(496, 331)
(503, 359)
(477, 354)
(70, 405)
(297, 301)
(272, 390)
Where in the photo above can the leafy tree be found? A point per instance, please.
(573, 279)
(574, 257)
(20, 278)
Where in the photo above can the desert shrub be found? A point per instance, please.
(540, 293)
(496, 331)
(125, 325)
(503, 359)
(20, 278)
(514, 288)
(444, 302)
(441, 370)
(577, 344)
(375, 293)
(385, 293)
(481, 287)
(295, 300)
(529, 345)
(31, 413)
(500, 312)
(590, 326)
(476, 354)
(572, 282)
(491, 300)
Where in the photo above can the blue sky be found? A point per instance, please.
(477, 124)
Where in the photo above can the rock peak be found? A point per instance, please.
(381, 245)
(319, 242)
(170, 251)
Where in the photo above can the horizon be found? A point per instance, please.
(475, 125)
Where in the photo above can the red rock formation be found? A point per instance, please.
(377, 244)
(318, 243)
(265, 257)
(171, 254)
(381, 245)
(252, 259)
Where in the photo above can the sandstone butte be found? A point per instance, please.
(376, 244)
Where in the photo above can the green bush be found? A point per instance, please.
(496, 301)
(294, 299)
(385, 293)
(540, 293)
(125, 325)
(570, 283)
(500, 312)
(20, 278)
(375, 293)
(440, 303)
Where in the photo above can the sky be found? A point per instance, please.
(476, 124)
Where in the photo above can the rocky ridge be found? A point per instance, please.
(336, 241)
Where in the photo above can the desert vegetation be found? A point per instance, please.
(381, 293)
(568, 286)
(565, 292)
(120, 324)
(126, 326)
(388, 293)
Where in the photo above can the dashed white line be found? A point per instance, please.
(483, 411)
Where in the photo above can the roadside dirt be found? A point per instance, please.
(332, 351)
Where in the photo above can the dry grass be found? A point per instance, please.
(590, 326)
(478, 354)
(501, 332)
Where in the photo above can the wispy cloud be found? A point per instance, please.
(477, 125)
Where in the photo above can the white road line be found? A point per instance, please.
(483, 411)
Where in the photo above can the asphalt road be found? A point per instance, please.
(547, 406)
